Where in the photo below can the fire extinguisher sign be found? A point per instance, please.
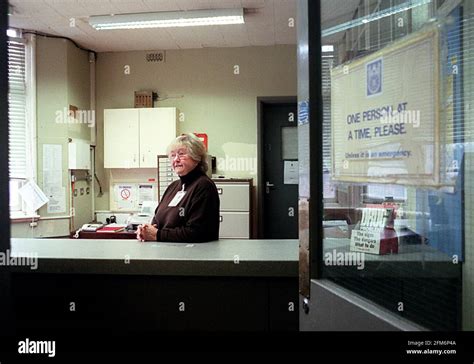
(203, 138)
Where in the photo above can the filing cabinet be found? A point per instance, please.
(165, 175)
(235, 210)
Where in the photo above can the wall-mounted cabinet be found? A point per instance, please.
(134, 137)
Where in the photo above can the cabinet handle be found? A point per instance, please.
(220, 191)
(134, 157)
(221, 218)
(143, 158)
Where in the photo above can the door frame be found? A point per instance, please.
(274, 100)
(6, 318)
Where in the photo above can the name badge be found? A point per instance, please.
(177, 198)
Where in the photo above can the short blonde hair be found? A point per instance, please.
(194, 147)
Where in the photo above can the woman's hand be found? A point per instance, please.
(146, 232)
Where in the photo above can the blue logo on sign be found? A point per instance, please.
(374, 77)
(303, 112)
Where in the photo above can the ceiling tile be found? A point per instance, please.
(100, 8)
(266, 22)
(225, 4)
(129, 6)
(70, 32)
(161, 5)
(261, 35)
(190, 38)
(31, 7)
(253, 3)
(285, 9)
(193, 4)
(68, 8)
(235, 35)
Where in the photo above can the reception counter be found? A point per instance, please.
(250, 258)
(123, 286)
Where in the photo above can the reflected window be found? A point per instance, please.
(398, 156)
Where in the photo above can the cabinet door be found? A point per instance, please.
(121, 138)
(157, 131)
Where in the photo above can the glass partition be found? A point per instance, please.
(397, 88)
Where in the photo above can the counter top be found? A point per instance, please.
(226, 257)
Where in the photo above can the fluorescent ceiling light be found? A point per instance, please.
(375, 16)
(12, 33)
(168, 19)
(327, 48)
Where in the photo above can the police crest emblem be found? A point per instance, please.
(374, 77)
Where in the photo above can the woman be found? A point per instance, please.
(189, 209)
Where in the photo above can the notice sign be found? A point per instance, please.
(367, 241)
(384, 115)
(375, 234)
(125, 196)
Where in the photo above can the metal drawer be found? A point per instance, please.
(233, 196)
(234, 225)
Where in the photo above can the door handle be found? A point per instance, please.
(267, 187)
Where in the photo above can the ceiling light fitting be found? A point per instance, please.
(168, 19)
(410, 4)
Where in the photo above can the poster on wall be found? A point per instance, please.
(385, 120)
(125, 196)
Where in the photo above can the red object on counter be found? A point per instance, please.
(388, 241)
(110, 229)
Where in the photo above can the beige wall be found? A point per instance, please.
(78, 88)
(201, 83)
(62, 78)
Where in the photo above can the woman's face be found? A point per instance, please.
(181, 162)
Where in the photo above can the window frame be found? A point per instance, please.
(20, 210)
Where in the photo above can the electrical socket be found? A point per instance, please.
(33, 224)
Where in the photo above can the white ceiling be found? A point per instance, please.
(266, 22)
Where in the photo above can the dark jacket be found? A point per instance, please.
(195, 219)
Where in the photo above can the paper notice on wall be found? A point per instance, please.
(290, 173)
(57, 199)
(52, 164)
(33, 196)
(126, 196)
(146, 192)
(52, 178)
